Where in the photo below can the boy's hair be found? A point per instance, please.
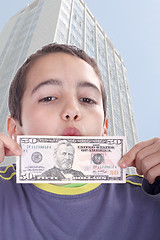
(18, 84)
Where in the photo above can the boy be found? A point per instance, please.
(59, 91)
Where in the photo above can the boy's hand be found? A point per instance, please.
(8, 147)
(145, 156)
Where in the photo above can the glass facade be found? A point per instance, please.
(77, 25)
(90, 43)
(15, 52)
(64, 22)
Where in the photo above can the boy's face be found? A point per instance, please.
(62, 97)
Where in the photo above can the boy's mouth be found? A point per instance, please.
(71, 131)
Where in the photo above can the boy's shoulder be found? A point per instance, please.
(8, 187)
(7, 172)
(134, 179)
(139, 181)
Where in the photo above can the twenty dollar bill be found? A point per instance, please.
(49, 159)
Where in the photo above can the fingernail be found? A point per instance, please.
(123, 165)
(18, 151)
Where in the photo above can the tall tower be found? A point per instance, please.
(71, 22)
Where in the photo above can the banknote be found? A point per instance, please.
(58, 159)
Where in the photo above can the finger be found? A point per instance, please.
(1, 152)
(153, 173)
(148, 162)
(144, 158)
(10, 147)
(130, 157)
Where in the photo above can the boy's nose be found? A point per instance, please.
(71, 112)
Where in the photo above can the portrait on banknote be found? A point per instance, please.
(63, 161)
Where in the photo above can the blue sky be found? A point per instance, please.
(133, 28)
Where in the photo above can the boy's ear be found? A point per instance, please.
(12, 127)
(105, 127)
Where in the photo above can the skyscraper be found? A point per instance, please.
(71, 22)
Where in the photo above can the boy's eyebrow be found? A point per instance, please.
(88, 84)
(57, 82)
(47, 82)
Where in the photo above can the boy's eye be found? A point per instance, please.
(87, 100)
(47, 99)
